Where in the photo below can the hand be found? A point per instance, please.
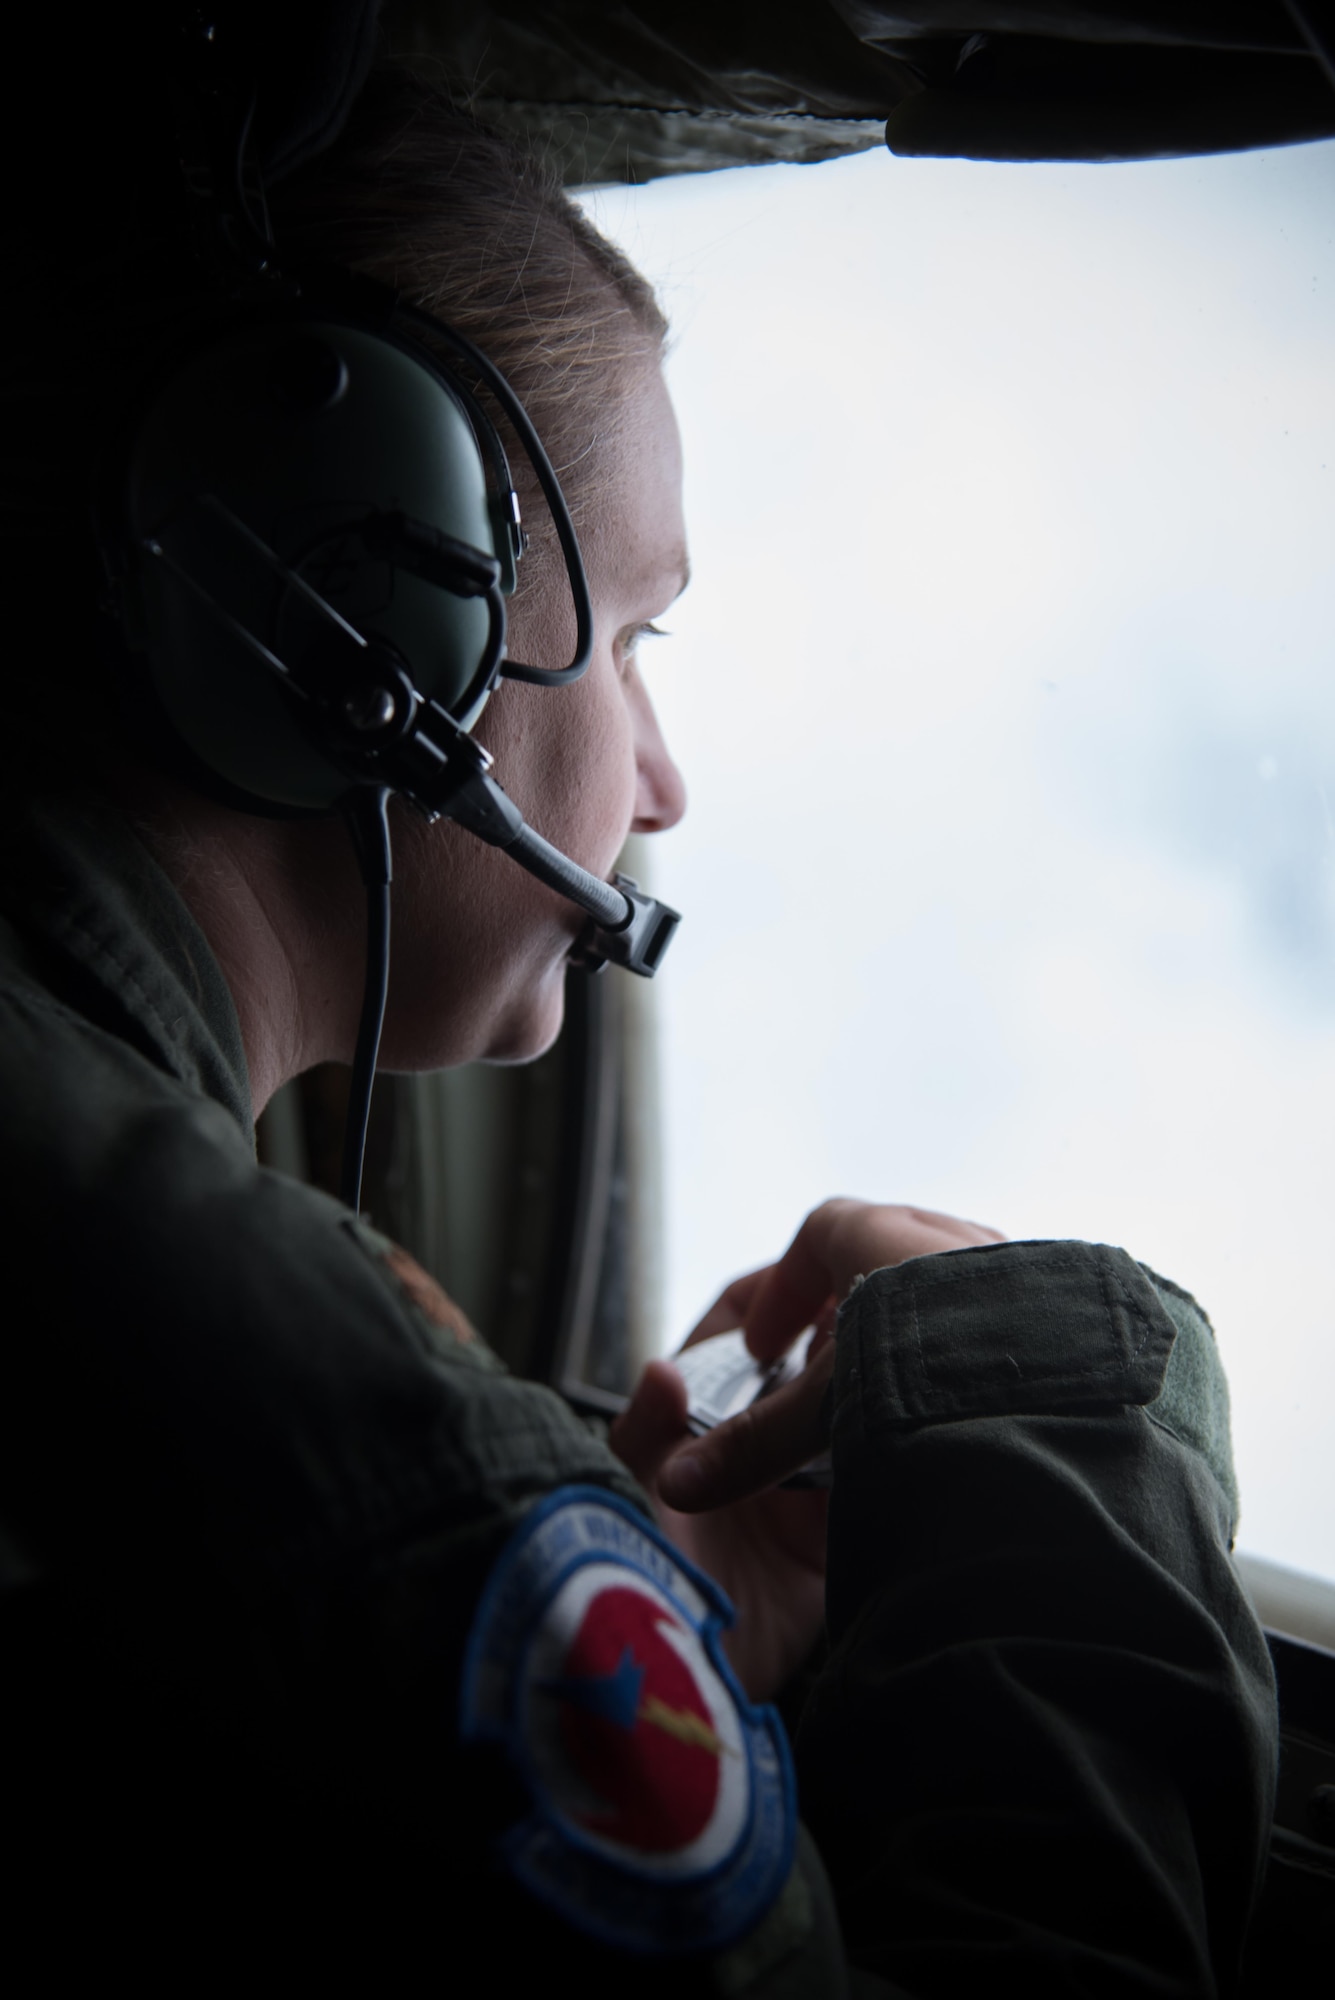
(714, 1495)
(839, 1242)
(768, 1552)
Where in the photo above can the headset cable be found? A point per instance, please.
(366, 815)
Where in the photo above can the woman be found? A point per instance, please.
(291, 1556)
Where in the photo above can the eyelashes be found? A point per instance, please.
(630, 641)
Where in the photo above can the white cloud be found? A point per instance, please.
(1011, 497)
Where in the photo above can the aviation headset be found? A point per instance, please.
(308, 529)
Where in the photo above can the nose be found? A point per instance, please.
(660, 789)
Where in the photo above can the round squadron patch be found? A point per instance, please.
(663, 1813)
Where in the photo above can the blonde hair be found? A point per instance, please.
(418, 195)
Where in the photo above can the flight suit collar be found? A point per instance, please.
(84, 890)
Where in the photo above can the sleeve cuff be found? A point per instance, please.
(1009, 1329)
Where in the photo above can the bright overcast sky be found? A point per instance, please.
(1005, 699)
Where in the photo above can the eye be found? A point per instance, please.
(629, 642)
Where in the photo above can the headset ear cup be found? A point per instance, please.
(252, 469)
(149, 728)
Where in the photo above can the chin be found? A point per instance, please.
(513, 1016)
(531, 1024)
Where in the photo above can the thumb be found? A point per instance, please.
(652, 1424)
(757, 1448)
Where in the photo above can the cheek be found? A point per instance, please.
(477, 954)
(567, 758)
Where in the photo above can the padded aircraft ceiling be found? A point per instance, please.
(675, 86)
(631, 91)
(627, 92)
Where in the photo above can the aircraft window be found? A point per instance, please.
(1004, 698)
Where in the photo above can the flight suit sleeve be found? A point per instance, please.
(265, 1482)
(265, 1479)
(1043, 1746)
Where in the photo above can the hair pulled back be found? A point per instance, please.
(417, 195)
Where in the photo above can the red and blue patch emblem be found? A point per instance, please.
(663, 1813)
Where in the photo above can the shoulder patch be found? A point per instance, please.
(664, 1814)
(422, 1294)
(427, 1295)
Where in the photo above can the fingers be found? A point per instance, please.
(729, 1309)
(840, 1241)
(955, 1227)
(653, 1423)
(753, 1451)
(796, 1290)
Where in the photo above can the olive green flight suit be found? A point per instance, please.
(254, 1476)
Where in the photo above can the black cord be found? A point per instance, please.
(261, 226)
(366, 816)
(1315, 22)
(547, 480)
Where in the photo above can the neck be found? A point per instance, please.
(279, 902)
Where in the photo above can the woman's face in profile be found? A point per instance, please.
(479, 948)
